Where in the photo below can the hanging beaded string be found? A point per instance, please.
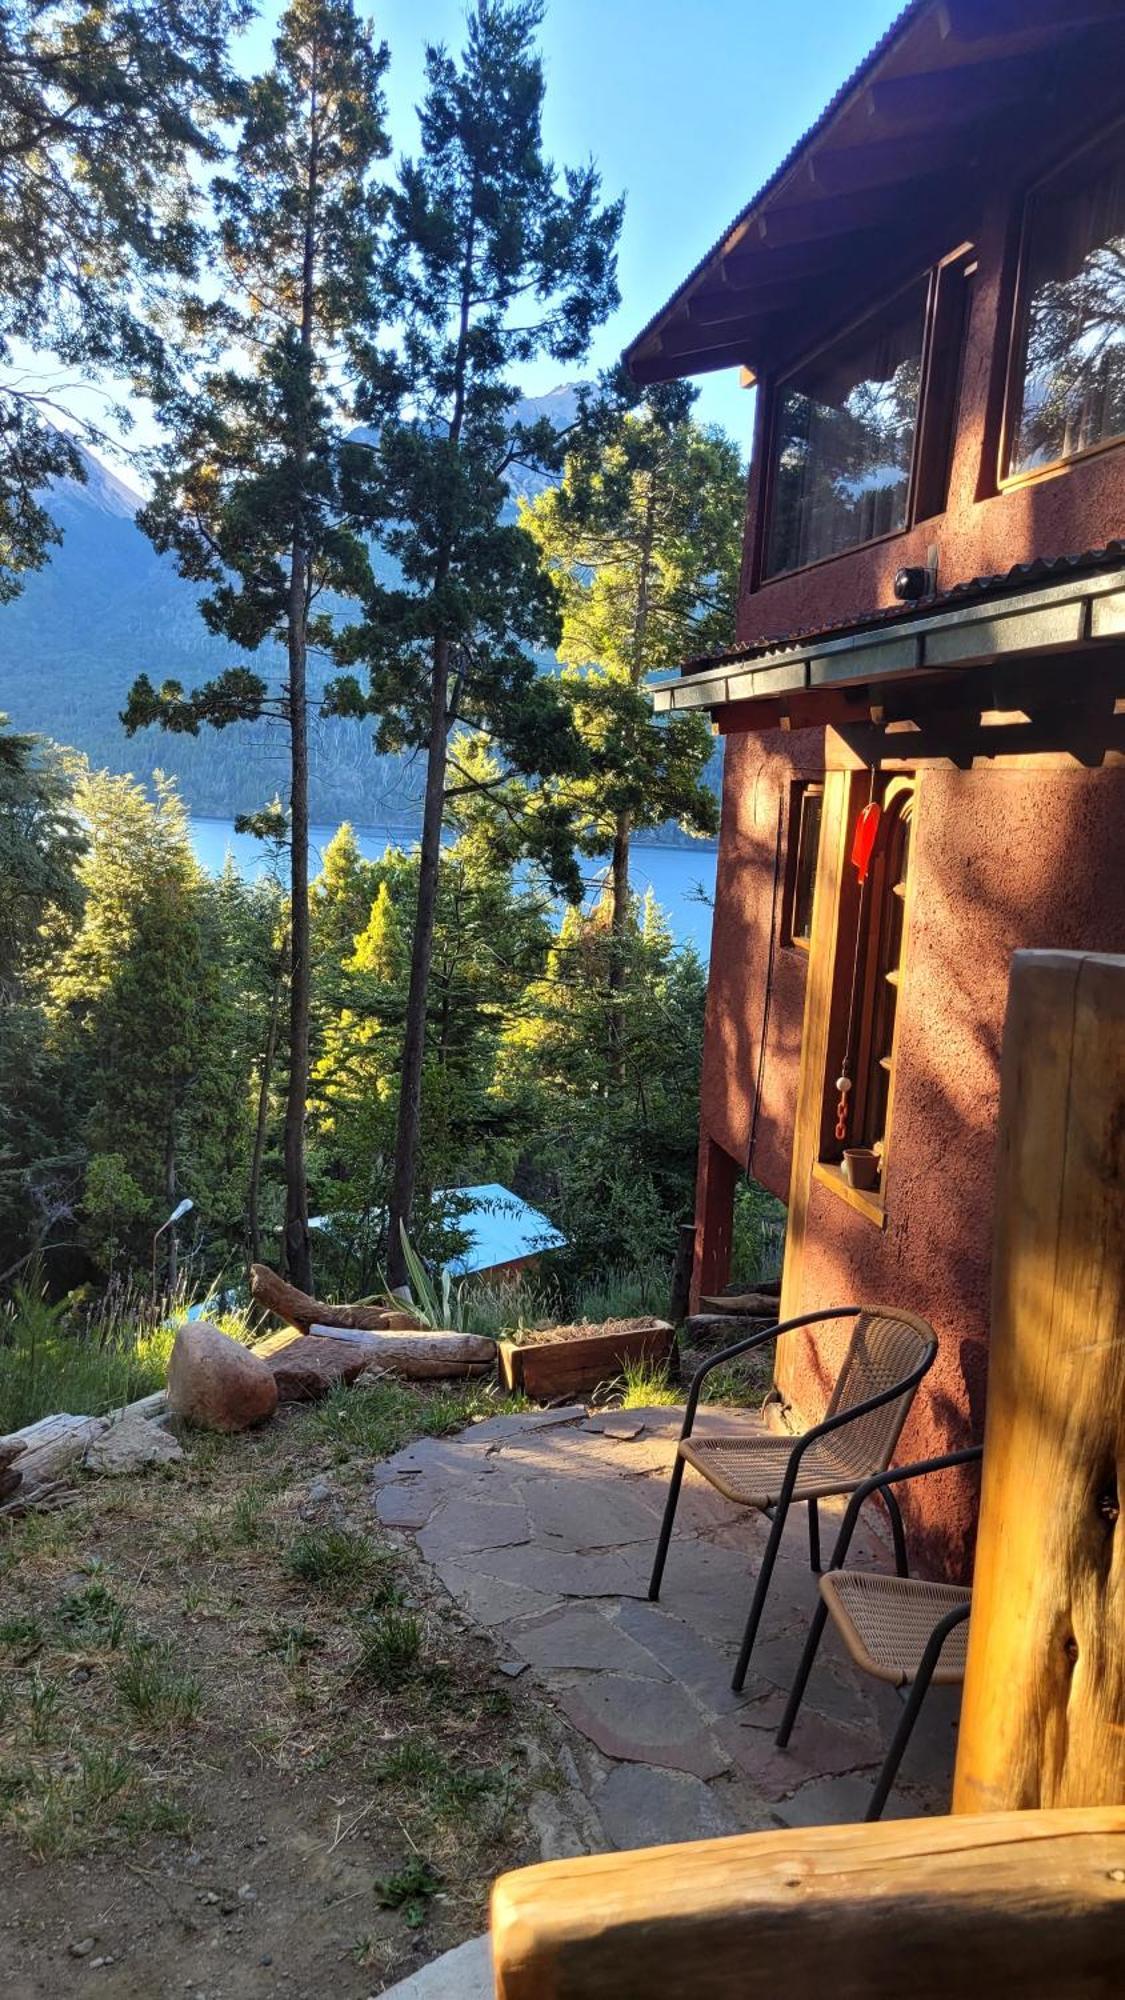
(861, 863)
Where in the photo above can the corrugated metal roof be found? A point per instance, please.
(903, 20)
(1044, 569)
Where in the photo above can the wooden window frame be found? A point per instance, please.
(1107, 143)
(936, 419)
(800, 791)
(897, 791)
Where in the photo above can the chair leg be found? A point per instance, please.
(759, 1600)
(898, 1532)
(909, 1716)
(677, 1481)
(801, 1679)
(814, 1538)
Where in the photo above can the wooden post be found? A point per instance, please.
(1043, 1720)
(1003, 1905)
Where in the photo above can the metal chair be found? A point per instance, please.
(900, 1629)
(888, 1354)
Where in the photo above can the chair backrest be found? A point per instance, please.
(887, 1346)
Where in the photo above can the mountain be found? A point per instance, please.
(107, 607)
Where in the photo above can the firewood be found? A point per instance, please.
(301, 1311)
(425, 1355)
(46, 1448)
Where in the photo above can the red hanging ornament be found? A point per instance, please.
(866, 832)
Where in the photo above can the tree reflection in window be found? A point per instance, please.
(1069, 385)
(843, 439)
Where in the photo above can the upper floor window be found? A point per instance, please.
(843, 438)
(1068, 380)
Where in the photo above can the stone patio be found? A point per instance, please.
(543, 1526)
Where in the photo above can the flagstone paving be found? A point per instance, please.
(543, 1527)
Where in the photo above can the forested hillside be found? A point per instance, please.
(107, 607)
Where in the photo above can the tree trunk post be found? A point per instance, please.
(421, 956)
(1044, 1704)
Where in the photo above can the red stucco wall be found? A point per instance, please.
(1002, 859)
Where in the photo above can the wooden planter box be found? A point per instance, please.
(545, 1368)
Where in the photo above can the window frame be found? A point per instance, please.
(935, 425)
(801, 790)
(900, 788)
(1107, 143)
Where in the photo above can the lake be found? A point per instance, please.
(681, 878)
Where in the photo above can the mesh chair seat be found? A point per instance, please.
(886, 1622)
(749, 1470)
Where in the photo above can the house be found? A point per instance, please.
(929, 295)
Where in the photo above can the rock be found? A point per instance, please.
(82, 1948)
(308, 1365)
(217, 1383)
(130, 1444)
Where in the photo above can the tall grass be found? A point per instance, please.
(86, 1359)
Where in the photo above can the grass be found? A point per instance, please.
(331, 1559)
(154, 1688)
(378, 1419)
(390, 1649)
(647, 1387)
(64, 1355)
(409, 1889)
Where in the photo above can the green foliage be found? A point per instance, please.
(390, 1649)
(337, 1560)
(154, 1689)
(106, 112)
(409, 1890)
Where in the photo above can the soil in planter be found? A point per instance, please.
(550, 1336)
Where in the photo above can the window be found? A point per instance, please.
(843, 439)
(871, 941)
(1068, 377)
(805, 809)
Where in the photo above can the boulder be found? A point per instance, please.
(217, 1383)
(129, 1445)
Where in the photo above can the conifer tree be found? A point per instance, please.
(249, 493)
(107, 109)
(643, 537)
(494, 258)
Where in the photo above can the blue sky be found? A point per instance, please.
(687, 106)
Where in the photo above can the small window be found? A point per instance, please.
(804, 846)
(1068, 379)
(843, 439)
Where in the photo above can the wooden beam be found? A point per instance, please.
(1043, 1717)
(973, 21)
(965, 90)
(1005, 1905)
(883, 163)
(845, 215)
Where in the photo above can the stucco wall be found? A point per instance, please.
(1002, 859)
(758, 775)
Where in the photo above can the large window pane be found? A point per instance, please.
(844, 438)
(1070, 376)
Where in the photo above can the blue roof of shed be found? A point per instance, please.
(501, 1229)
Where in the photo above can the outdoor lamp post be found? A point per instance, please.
(181, 1209)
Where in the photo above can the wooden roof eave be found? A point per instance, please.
(1054, 618)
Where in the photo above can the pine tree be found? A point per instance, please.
(249, 492)
(494, 258)
(107, 109)
(644, 537)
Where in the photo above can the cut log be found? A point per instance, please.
(724, 1327)
(306, 1366)
(303, 1312)
(426, 1356)
(49, 1447)
(753, 1304)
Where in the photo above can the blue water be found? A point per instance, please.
(681, 878)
